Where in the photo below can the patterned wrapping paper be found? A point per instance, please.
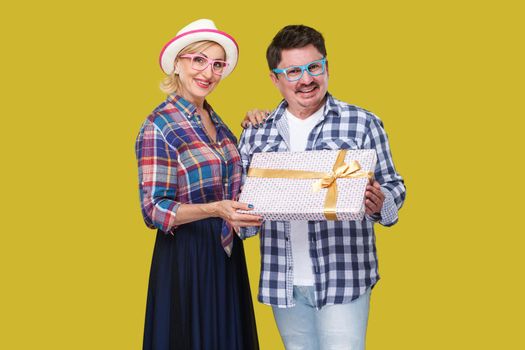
(293, 199)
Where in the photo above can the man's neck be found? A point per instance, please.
(305, 112)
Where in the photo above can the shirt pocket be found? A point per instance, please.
(341, 143)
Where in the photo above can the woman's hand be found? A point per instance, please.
(227, 210)
(255, 117)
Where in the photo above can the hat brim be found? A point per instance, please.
(175, 45)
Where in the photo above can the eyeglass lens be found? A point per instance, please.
(201, 63)
(314, 68)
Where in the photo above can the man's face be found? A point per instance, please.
(306, 95)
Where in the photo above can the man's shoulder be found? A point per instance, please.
(261, 133)
(256, 137)
(348, 110)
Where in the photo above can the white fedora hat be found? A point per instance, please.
(199, 30)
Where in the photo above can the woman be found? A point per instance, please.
(189, 175)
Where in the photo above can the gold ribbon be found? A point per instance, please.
(340, 170)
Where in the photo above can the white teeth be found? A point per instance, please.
(307, 90)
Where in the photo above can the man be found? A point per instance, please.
(317, 275)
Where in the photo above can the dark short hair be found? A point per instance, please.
(293, 37)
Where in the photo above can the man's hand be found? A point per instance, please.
(374, 198)
(255, 117)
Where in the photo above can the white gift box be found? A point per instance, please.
(297, 194)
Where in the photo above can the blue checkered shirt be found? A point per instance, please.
(343, 253)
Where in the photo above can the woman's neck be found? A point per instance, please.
(199, 103)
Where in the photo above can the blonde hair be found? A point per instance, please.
(171, 83)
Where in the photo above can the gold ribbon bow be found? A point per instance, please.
(326, 180)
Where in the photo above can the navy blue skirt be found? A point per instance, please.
(198, 297)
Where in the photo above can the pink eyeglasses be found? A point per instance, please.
(200, 63)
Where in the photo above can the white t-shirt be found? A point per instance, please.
(299, 130)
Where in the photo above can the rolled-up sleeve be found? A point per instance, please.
(245, 153)
(157, 170)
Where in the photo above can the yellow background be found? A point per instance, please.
(78, 79)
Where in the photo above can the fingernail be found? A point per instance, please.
(250, 206)
(261, 219)
(264, 119)
(267, 113)
(260, 124)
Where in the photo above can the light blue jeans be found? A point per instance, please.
(341, 326)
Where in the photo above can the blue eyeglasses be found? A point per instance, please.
(294, 73)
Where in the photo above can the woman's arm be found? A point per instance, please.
(157, 165)
(225, 209)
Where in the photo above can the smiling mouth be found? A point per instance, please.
(307, 89)
(203, 84)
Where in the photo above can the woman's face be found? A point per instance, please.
(195, 84)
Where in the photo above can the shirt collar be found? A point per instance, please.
(189, 109)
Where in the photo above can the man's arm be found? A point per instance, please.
(391, 183)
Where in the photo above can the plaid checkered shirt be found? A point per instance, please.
(343, 253)
(179, 163)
